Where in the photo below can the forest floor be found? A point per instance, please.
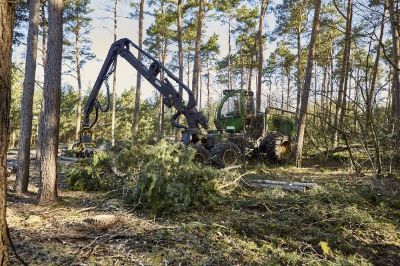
(348, 219)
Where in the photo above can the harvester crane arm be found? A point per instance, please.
(171, 97)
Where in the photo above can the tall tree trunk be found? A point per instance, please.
(24, 151)
(136, 112)
(79, 79)
(51, 108)
(43, 25)
(180, 54)
(288, 92)
(229, 51)
(344, 72)
(298, 76)
(370, 95)
(263, 10)
(394, 22)
(196, 63)
(7, 10)
(114, 81)
(208, 87)
(307, 84)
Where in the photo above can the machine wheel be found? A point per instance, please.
(277, 147)
(202, 155)
(225, 154)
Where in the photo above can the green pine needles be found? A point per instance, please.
(162, 177)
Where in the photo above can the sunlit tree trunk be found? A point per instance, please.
(260, 40)
(24, 151)
(51, 108)
(114, 80)
(344, 72)
(307, 84)
(298, 76)
(197, 61)
(43, 25)
(136, 112)
(370, 95)
(394, 22)
(180, 54)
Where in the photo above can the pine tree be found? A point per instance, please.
(51, 108)
(24, 151)
(197, 43)
(301, 126)
(77, 45)
(6, 32)
(136, 113)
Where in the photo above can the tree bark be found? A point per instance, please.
(370, 123)
(196, 63)
(344, 72)
(229, 51)
(298, 74)
(180, 54)
(307, 84)
(24, 151)
(114, 80)
(263, 10)
(6, 35)
(51, 108)
(44, 51)
(394, 22)
(79, 79)
(136, 112)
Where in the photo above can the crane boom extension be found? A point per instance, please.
(171, 97)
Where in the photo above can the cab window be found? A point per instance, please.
(231, 108)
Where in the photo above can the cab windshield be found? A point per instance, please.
(231, 108)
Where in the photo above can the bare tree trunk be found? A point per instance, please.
(79, 79)
(288, 92)
(196, 63)
(263, 10)
(180, 55)
(229, 51)
(298, 76)
(136, 112)
(241, 70)
(24, 151)
(370, 123)
(307, 84)
(344, 72)
(208, 87)
(44, 51)
(394, 19)
(51, 108)
(114, 80)
(7, 10)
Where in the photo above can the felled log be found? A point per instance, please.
(283, 187)
(295, 186)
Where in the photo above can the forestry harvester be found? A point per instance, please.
(240, 130)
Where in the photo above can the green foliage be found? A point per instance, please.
(93, 175)
(162, 177)
(69, 99)
(171, 181)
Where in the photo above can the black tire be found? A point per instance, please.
(225, 154)
(202, 155)
(277, 147)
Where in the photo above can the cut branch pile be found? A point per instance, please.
(288, 186)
